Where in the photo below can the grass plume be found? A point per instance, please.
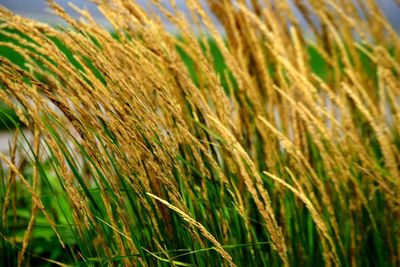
(241, 139)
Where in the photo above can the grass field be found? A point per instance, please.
(258, 146)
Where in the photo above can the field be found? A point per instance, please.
(255, 142)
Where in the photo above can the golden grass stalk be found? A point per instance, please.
(248, 126)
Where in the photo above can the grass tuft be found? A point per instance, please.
(248, 142)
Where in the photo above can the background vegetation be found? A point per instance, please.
(261, 144)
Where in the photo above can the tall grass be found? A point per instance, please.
(259, 144)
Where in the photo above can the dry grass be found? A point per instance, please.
(264, 144)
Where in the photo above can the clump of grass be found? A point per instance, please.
(259, 144)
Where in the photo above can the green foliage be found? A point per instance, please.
(173, 150)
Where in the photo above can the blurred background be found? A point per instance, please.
(38, 9)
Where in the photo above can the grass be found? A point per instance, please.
(256, 147)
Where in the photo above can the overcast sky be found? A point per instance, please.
(37, 9)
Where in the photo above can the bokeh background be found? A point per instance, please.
(38, 9)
